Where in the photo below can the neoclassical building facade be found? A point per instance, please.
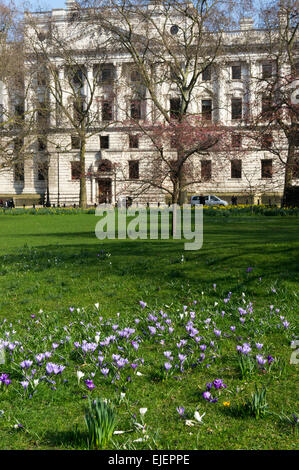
(117, 155)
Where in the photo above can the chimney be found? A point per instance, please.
(246, 24)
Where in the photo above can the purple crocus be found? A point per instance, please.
(207, 395)
(152, 330)
(260, 359)
(26, 364)
(218, 383)
(24, 384)
(181, 410)
(168, 355)
(270, 359)
(89, 384)
(55, 369)
(142, 304)
(105, 371)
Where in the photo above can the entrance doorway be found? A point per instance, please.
(105, 191)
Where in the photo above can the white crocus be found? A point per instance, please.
(97, 339)
(80, 375)
(189, 422)
(142, 411)
(198, 417)
(97, 305)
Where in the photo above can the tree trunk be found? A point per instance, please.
(182, 197)
(288, 171)
(83, 197)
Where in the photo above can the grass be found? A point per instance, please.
(54, 262)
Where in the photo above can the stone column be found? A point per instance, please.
(253, 92)
(52, 178)
(59, 115)
(29, 176)
(221, 99)
(52, 102)
(88, 85)
(119, 102)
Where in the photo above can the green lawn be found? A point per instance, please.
(54, 262)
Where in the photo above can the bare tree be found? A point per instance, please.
(67, 80)
(274, 125)
(170, 47)
(16, 123)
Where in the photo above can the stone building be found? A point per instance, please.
(117, 155)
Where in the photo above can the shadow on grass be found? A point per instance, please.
(270, 249)
(75, 439)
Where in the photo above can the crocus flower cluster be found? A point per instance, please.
(4, 379)
(217, 384)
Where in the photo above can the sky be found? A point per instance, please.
(50, 4)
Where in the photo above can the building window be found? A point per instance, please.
(42, 116)
(236, 72)
(107, 110)
(206, 170)
(107, 73)
(135, 109)
(175, 106)
(206, 110)
(236, 168)
(133, 169)
(78, 110)
(104, 141)
(266, 168)
(236, 110)
(207, 74)
(267, 141)
(266, 71)
(19, 110)
(75, 142)
(42, 144)
(135, 76)
(76, 170)
(133, 141)
(19, 172)
(266, 105)
(41, 78)
(19, 161)
(42, 171)
(236, 141)
(77, 77)
(174, 29)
